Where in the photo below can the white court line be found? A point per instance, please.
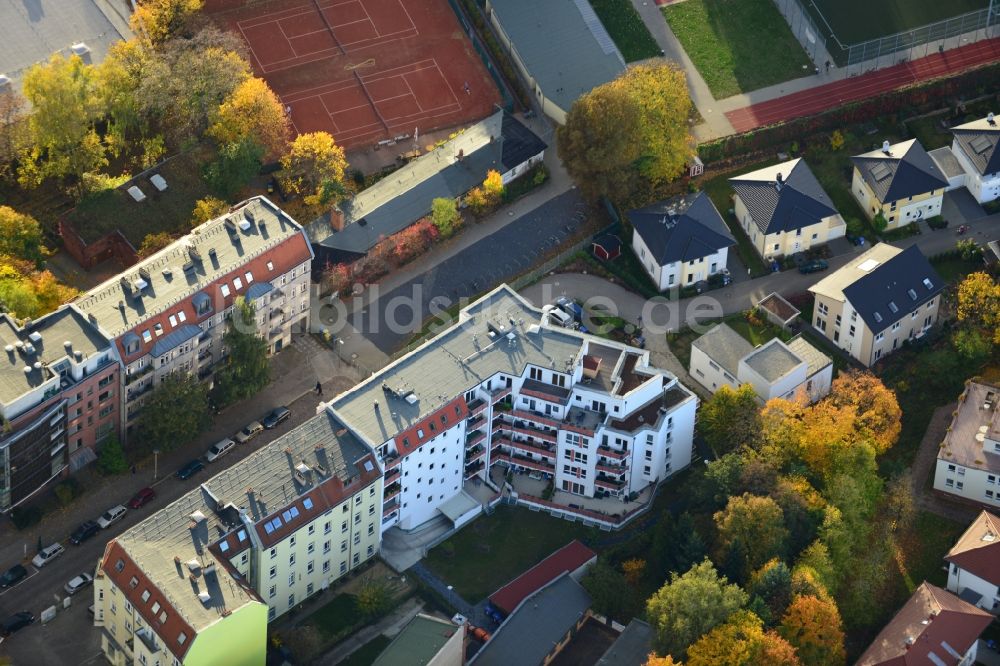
(408, 17)
(34, 572)
(377, 76)
(453, 95)
(408, 87)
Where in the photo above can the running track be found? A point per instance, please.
(821, 98)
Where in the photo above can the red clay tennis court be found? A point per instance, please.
(364, 70)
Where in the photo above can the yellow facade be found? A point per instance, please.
(790, 242)
(897, 213)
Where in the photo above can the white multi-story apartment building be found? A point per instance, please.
(974, 563)
(169, 311)
(968, 462)
(198, 581)
(505, 387)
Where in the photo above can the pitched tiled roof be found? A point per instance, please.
(933, 627)
(978, 549)
(569, 558)
(978, 141)
(894, 289)
(905, 171)
(799, 202)
(681, 228)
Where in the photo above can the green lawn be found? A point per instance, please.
(923, 551)
(860, 20)
(626, 28)
(737, 45)
(368, 653)
(955, 269)
(680, 342)
(494, 549)
(337, 616)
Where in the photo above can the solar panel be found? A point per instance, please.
(880, 172)
(981, 144)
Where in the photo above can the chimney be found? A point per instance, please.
(779, 181)
(68, 346)
(990, 119)
(885, 147)
(337, 219)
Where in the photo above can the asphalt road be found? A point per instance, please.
(517, 247)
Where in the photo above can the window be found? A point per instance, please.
(343, 567)
(270, 617)
(273, 573)
(146, 337)
(880, 337)
(272, 591)
(307, 503)
(237, 283)
(823, 308)
(291, 600)
(949, 483)
(326, 546)
(274, 553)
(249, 277)
(309, 567)
(291, 560)
(326, 566)
(311, 547)
(181, 638)
(225, 290)
(291, 579)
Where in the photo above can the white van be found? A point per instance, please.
(559, 317)
(47, 554)
(219, 449)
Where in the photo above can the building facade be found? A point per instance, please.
(504, 388)
(974, 563)
(968, 462)
(169, 312)
(198, 581)
(783, 209)
(59, 399)
(975, 147)
(900, 181)
(878, 301)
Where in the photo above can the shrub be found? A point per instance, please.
(836, 140)
(937, 222)
(24, 517)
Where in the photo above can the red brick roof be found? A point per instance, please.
(569, 558)
(978, 549)
(409, 440)
(932, 622)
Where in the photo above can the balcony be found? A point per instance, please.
(134, 376)
(391, 461)
(476, 421)
(521, 461)
(528, 431)
(204, 354)
(611, 469)
(543, 391)
(473, 469)
(612, 453)
(609, 484)
(498, 395)
(476, 407)
(392, 475)
(531, 448)
(390, 508)
(474, 454)
(536, 418)
(474, 438)
(392, 490)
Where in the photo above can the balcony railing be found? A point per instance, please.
(611, 484)
(611, 469)
(525, 462)
(142, 372)
(392, 475)
(476, 407)
(499, 394)
(535, 417)
(474, 438)
(527, 431)
(474, 468)
(391, 507)
(392, 490)
(475, 454)
(531, 448)
(391, 461)
(612, 453)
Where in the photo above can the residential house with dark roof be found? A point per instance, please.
(168, 312)
(59, 400)
(775, 369)
(680, 241)
(877, 301)
(539, 628)
(198, 581)
(560, 47)
(573, 558)
(901, 181)
(933, 627)
(784, 210)
(975, 146)
(968, 461)
(499, 143)
(974, 563)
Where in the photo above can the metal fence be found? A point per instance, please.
(823, 45)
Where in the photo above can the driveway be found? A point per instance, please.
(398, 314)
(960, 207)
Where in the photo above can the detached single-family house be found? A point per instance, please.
(974, 563)
(968, 462)
(774, 369)
(878, 301)
(680, 241)
(975, 147)
(901, 181)
(933, 627)
(784, 209)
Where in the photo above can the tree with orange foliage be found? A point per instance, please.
(633, 570)
(876, 410)
(742, 641)
(252, 111)
(159, 20)
(813, 626)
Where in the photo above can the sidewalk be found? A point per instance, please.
(295, 372)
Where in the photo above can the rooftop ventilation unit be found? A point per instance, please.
(886, 147)
(136, 193)
(35, 336)
(989, 116)
(158, 182)
(245, 225)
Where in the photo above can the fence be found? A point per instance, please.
(803, 17)
(481, 51)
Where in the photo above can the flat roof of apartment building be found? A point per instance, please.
(977, 419)
(178, 557)
(500, 333)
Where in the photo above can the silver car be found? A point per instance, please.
(78, 583)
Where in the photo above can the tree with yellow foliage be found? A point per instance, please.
(27, 292)
(20, 236)
(493, 187)
(633, 569)
(979, 304)
(252, 111)
(813, 627)
(653, 660)
(207, 209)
(314, 167)
(876, 411)
(742, 641)
(159, 20)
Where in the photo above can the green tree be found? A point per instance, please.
(612, 595)
(111, 457)
(119, 81)
(879, 223)
(758, 523)
(972, 344)
(20, 236)
(65, 110)
(691, 605)
(235, 165)
(374, 598)
(772, 583)
(13, 129)
(730, 419)
(175, 413)
(245, 370)
(445, 216)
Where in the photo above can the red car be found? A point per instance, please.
(144, 496)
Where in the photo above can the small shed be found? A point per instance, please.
(607, 247)
(778, 311)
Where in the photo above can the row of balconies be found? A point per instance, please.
(522, 461)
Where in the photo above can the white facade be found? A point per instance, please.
(959, 580)
(983, 187)
(678, 273)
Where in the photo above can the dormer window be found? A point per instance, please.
(146, 336)
(225, 290)
(249, 277)
(158, 329)
(237, 283)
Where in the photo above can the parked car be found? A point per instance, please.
(112, 515)
(13, 575)
(141, 498)
(277, 415)
(190, 470)
(251, 430)
(559, 316)
(571, 307)
(813, 266)
(219, 449)
(77, 583)
(84, 531)
(48, 554)
(15, 622)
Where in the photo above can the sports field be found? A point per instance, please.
(856, 21)
(363, 70)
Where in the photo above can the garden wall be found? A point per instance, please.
(112, 245)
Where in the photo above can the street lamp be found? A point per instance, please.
(156, 453)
